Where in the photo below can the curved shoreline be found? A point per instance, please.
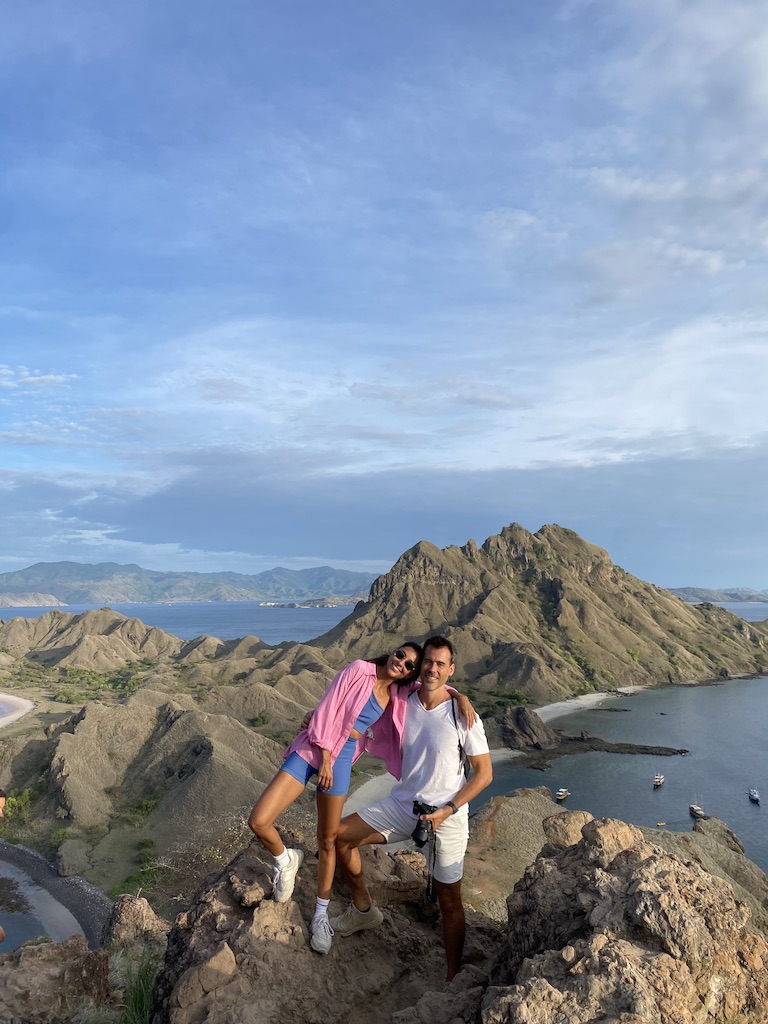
(20, 707)
(89, 905)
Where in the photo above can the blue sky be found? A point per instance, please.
(300, 284)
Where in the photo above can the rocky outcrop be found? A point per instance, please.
(64, 982)
(605, 926)
(507, 834)
(46, 984)
(133, 922)
(602, 925)
(237, 957)
(518, 728)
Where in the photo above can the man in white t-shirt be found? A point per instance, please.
(435, 745)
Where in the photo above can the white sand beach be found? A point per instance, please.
(588, 700)
(17, 708)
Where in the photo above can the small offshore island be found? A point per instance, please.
(144, 750)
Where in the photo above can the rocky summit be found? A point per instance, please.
(603, 926)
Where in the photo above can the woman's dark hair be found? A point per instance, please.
(382, 659)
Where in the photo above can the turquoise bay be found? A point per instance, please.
(723, 726)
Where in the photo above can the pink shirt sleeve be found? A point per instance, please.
(336, 713)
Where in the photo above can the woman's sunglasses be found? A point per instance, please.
(401, 656)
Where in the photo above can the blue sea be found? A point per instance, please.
(227, 620)
(723, 727)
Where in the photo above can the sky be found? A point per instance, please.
(303, 284)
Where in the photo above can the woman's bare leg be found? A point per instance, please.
(329, 810)
(279, 794)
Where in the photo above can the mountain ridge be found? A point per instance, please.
(112, 582)
(733, 595)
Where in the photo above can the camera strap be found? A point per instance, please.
(431, 888)
(462, 755)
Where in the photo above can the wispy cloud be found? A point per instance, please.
(265, 265)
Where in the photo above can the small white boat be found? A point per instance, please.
(696, 811)
(561, 794)
(658, 780)
(754, 796)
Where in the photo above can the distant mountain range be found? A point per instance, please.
(49, 583)
(693, 595)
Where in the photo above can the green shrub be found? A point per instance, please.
(18, 805)
(145, 807)
(57, 837)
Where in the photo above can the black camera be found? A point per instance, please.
(423, 830)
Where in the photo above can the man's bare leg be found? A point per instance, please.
(354, 833)
(454, 925)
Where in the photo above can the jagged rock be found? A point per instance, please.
(237, 957)
(134, 921)
(521, 728)
(715, 849)
(46, 983)
(615, 929)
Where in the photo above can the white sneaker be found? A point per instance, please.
(284, 878)
(320, 934)
(354, 920)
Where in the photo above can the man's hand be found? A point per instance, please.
(438, 817)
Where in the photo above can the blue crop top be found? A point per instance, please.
(370, 714)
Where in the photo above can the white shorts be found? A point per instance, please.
(396, 823)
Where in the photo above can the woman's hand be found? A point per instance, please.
(466, 710)
(325, 772)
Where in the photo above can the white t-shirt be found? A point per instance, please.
(432, 769)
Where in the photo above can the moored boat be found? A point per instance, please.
(658, 780)
(696, 811)
(561, 794)
(754, 796)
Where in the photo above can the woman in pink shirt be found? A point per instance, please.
(335, 736)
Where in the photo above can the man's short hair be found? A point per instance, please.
(438, 642)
